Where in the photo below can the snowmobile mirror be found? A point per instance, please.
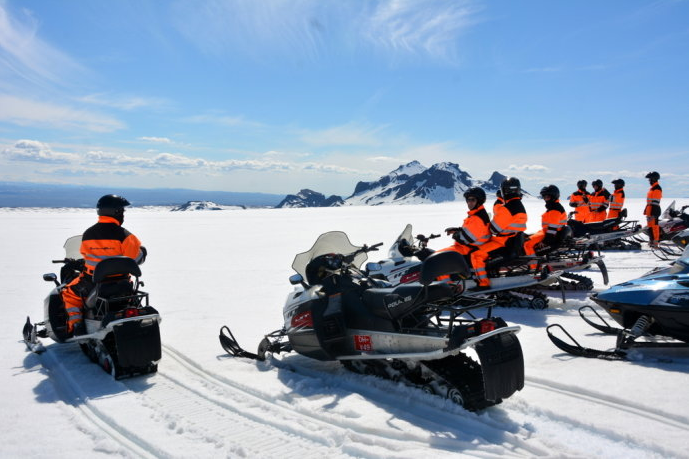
(51, 277)
(296, 279)
(373, 267)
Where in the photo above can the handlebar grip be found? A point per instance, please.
(433, 235)
(60, 261)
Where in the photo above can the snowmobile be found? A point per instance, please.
(513, 283)
(121, 329)
(569, 255)
(416, 333)
(616, 233)
(654, 307)
(672, 223)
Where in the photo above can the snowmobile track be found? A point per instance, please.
(68, 387)
(384, 441)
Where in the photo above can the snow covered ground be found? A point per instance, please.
(231, 267)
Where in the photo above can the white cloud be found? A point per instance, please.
(27, 112)
(529, 168)
(159, 140)
(28, 150)
(124, 102)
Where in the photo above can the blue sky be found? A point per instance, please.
(275, 96)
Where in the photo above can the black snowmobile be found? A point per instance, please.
(121, 329)
(513, 282)
(617, 233)
(654, 307)
(673, 226)
(414, 333)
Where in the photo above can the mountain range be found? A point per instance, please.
(411, 183)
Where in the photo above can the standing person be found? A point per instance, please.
(553, 220)
(105, 239)
(652, 209)
(509, 221)
(579, 200)
(474, 230)
(598, 202)
(616, 199)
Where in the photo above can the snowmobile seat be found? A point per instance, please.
(397, 302)
(112, 266)
(443, 263)
(511, 252)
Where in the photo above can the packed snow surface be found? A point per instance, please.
(205, 270)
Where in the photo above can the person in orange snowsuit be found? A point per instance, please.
(509, 220)
(105, 239)
(652, 209)
(553, 220)
(616, 199)
(598, 202)
(474, 230)
(579, 200)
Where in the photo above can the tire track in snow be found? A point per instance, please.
(469, 436)
(75, 396)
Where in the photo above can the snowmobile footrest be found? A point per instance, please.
(502, 364)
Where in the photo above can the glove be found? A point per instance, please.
(457, 236)
(451, 230)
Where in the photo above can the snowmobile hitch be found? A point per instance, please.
(271, 343)
(577, 350)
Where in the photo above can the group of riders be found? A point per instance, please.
(480, 236)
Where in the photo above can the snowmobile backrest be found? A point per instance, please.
(118, 265)
(443, 263)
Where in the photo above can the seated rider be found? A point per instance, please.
(474, 230)
(105, 239)
(509, 220)
(598, 202)
(616, 199)
(579, 200)
(553, 220)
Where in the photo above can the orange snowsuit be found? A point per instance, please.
(598, 205)
(105, 239)
(509, 220)
(474, 232)
(616, 203)
(499, 202)
(652, 210)
(553, 220)
(579, 200)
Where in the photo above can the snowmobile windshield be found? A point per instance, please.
(328, 243)
(669, 211)
(406, 235)
(72, 247)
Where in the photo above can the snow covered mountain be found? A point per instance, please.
(309, 199)
(203, 206)
(413, 183)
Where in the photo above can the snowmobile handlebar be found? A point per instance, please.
(424, 239)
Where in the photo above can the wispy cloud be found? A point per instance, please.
(529, 168)
(430, 28)
(27, 112)
(25, 57)
(35, 151)
(124, 102)
(311, 29)
(345, 135)
(158, 140)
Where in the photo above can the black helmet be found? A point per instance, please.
(552, 191)
(653, 176)
(112, 205)
(582, 184)
(597, 183)
(498, 193)
(618, 183)
(511, 187)
(478, 193)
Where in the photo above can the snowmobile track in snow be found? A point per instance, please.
(69, 389)
(384, 441)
